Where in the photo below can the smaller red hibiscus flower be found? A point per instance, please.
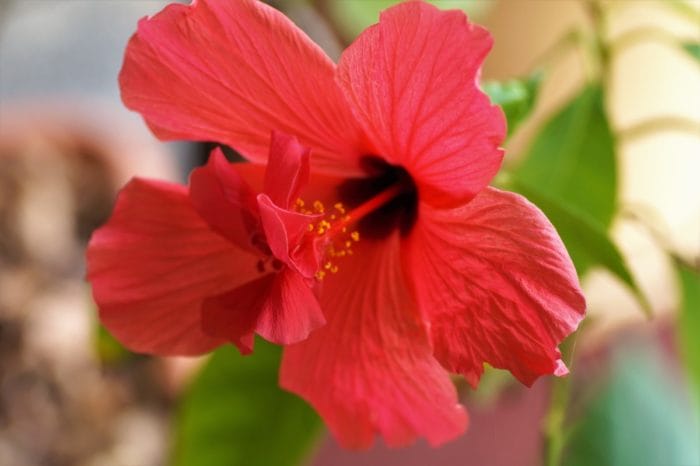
(222, 220)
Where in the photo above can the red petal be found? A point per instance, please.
(284, 231)
(224, 199)
(371, 369)
(279, 306)
(231, 72)
(497, 285)
(234, 315)
(291, 311)
(287, 169)
(153, 264)
(412, 81)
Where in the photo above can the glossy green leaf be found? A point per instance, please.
(689, 322)
(516, 97)
(587, 241)
(235, 414)
(693, 48)
(641, 417)
(573, 159)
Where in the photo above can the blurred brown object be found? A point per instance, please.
(60, 404)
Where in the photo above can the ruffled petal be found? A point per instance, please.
(231, 72)
(152, 265)
(284, 231)
(287, 169)
(370, 369)
(412, 82)
(497, 285)
(280, 307)
(223, 198)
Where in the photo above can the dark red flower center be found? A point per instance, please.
(371, 207)
(399, 211)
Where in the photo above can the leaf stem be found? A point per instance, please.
(645, 34)
(659, 124)
(555, 429)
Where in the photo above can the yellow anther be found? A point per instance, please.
(323, 226)
(335, 224)
(299, 202)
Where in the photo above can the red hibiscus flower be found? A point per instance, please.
(448, 273)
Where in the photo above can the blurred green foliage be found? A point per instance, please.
(573, 158)
(235, 414)
(516, 97)
(353, 16)
(689, 323)
(640, 417)
(693, 48)
(108, 349)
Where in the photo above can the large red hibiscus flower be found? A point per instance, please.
(448, 273)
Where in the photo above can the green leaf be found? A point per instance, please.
(641, 417)
(235, 414)
(693, 48)
(689, 322)
(573, 158)
(108, 349)
(354, 16)
(587, 241)
(516, 97)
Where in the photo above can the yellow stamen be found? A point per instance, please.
(333, 226)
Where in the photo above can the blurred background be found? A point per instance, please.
(606, 97)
